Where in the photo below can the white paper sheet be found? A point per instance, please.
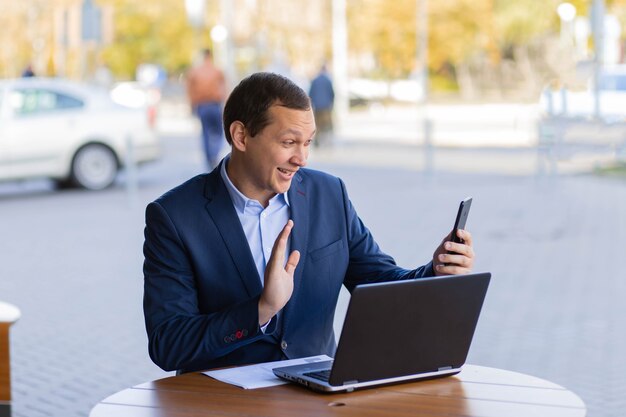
(259, 375)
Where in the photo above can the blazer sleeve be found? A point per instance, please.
(367, 262)
(179, 336)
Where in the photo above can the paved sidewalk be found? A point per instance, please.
(472, 138)
(72, 262)
(502, 125)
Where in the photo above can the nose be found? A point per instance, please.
(300, 156)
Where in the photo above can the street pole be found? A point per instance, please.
(426, 126)
(227, 17)
(422, 45)
(597, 29)
(340, 58)
(195, 15)
(131, 171)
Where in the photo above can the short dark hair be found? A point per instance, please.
(250, 101)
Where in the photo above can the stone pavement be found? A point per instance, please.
(452, 124)
(72, 262)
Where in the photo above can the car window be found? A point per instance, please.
(37, 101)
(614, 82)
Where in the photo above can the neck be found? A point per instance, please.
(237, 174)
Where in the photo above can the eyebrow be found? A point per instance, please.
(292, 131)
(295, 132)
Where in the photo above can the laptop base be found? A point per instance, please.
(296, 374)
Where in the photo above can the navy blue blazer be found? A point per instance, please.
(201, 286)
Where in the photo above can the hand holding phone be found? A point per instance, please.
(461, 219)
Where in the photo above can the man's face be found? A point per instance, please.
(275, 154)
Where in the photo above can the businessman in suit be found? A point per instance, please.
(244, 264)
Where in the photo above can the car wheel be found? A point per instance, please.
(94, 167)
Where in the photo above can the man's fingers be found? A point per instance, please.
(278, 250)
(460, 248)
(454, 259)
(466, 236)
(464, 248)
(292, 262)
(284, 234)
(452, 270)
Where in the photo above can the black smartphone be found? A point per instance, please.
(461, 219)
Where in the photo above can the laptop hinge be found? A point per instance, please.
(350, 382)
(444, 368)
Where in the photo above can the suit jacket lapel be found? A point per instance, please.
(222, 211)
(298, 200)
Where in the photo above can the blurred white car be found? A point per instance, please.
(70, 132)
(582, 103)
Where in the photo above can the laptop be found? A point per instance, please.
(399, 331)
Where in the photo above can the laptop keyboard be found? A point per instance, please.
(321, 375)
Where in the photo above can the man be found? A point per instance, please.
(322, 97)
(28, 71)
(206, 89)
(244, 264)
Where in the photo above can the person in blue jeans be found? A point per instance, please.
(210, 115)
(206, 89)
(322, 97)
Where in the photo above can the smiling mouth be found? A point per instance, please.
(284, 171)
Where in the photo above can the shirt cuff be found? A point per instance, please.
(266, 325)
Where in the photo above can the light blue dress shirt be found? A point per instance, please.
(261, 225)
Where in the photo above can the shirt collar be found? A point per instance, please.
(240, 201)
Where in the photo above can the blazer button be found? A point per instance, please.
(283, 345)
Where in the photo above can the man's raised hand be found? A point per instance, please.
(278, 280)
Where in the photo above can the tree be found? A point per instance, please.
(149, 31)
(387, 32)
(382, 37)
(460, 29)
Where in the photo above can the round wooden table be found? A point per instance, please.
(476, 391)
(9, 314)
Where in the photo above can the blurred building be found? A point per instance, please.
(65, 37)
(58, 37)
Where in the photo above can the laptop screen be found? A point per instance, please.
(402, 328)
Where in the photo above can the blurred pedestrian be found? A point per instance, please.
(28, 71)
(206, 89)
(322, 97)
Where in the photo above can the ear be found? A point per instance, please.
(239, 135)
